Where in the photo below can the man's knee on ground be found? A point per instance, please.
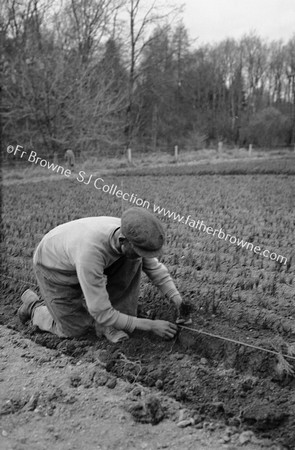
(43, 319)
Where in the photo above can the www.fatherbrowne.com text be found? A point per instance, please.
(219, 233)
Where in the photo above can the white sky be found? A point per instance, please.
(214, 20)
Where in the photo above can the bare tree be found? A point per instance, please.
(290, 73)
(88, 22)
(254, 57)
(143, 19)
(276, 71)
(55, 93)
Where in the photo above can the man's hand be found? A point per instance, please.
(164, 329)
(184, 313)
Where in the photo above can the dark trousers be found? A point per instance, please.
(64, 311)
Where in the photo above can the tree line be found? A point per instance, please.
(101, 76)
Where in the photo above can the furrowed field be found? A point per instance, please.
(236, 293)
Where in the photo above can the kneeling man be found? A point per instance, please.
(88, 271)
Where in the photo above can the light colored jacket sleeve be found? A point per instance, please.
(90, 271)
(160, 277)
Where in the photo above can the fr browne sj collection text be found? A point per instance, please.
(81, 176)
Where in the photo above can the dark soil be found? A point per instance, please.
(215, 379)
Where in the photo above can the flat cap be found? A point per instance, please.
(144, 231)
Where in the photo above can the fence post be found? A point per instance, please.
(250, 149)
(176, 153)
(129, 155)
(219, 146)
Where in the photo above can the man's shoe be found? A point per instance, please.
(114, 335)
(29, 299)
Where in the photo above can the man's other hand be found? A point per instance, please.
(184, 313)
(164, 329)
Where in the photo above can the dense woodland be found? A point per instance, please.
(101, 76)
